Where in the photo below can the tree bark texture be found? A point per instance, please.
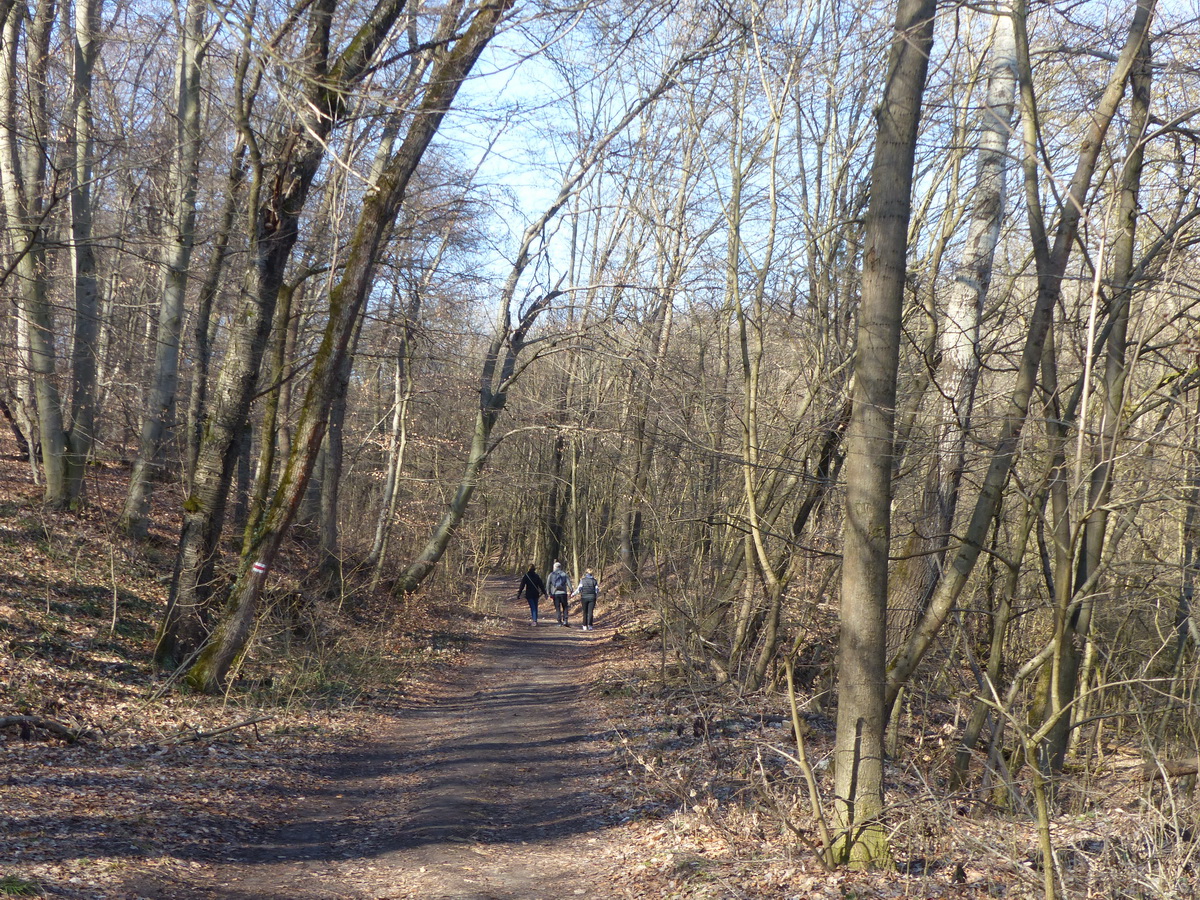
(858, 751)
(84, 355)
(23, 181)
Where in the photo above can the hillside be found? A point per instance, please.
(664, 787)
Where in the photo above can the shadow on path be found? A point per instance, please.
(484, 794)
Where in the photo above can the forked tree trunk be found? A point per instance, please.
(204, 332)
(278, 207)
(454, 61)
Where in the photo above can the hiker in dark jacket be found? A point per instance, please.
(559, 585)
(588, 592)
(535, 590)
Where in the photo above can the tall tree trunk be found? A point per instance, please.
(402, 390)
(23, 181)
(862, 648)
(175, 260)
(275, 399)
(84, 354)
(1189, 530)
(958, 334)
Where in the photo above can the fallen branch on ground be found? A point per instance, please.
(1157, 770)
(29, 723)
(189, 737)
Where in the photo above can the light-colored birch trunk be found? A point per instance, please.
(23, 181)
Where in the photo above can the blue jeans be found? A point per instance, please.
(533, 606)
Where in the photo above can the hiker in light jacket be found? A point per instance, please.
(588, 591)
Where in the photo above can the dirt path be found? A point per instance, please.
(486, 792)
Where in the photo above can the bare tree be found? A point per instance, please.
(456, 56)
(1051, 261)
(282, 171)
(175, 259)
(27, 202)
(862, 647)
(500, 365)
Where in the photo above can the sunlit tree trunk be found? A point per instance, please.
(454, 62)
(23, 177)
(175, 260)
(862, 648)
(329, 566)
(958, 331)
(84, 354)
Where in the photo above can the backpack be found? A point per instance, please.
(558, 582)
(588, 587)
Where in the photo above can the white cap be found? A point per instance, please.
(557, 565)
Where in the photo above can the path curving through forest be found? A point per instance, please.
(484, 793)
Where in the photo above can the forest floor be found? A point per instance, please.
(444, 748)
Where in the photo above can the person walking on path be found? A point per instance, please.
(588, 591)
(535, 590)
(559, 584)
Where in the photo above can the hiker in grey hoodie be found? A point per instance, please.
(559, 585)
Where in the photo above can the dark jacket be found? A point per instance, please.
(532, 585)
(588, 589)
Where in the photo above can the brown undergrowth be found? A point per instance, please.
(703, 793)
(107, 769)
(715, 795)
